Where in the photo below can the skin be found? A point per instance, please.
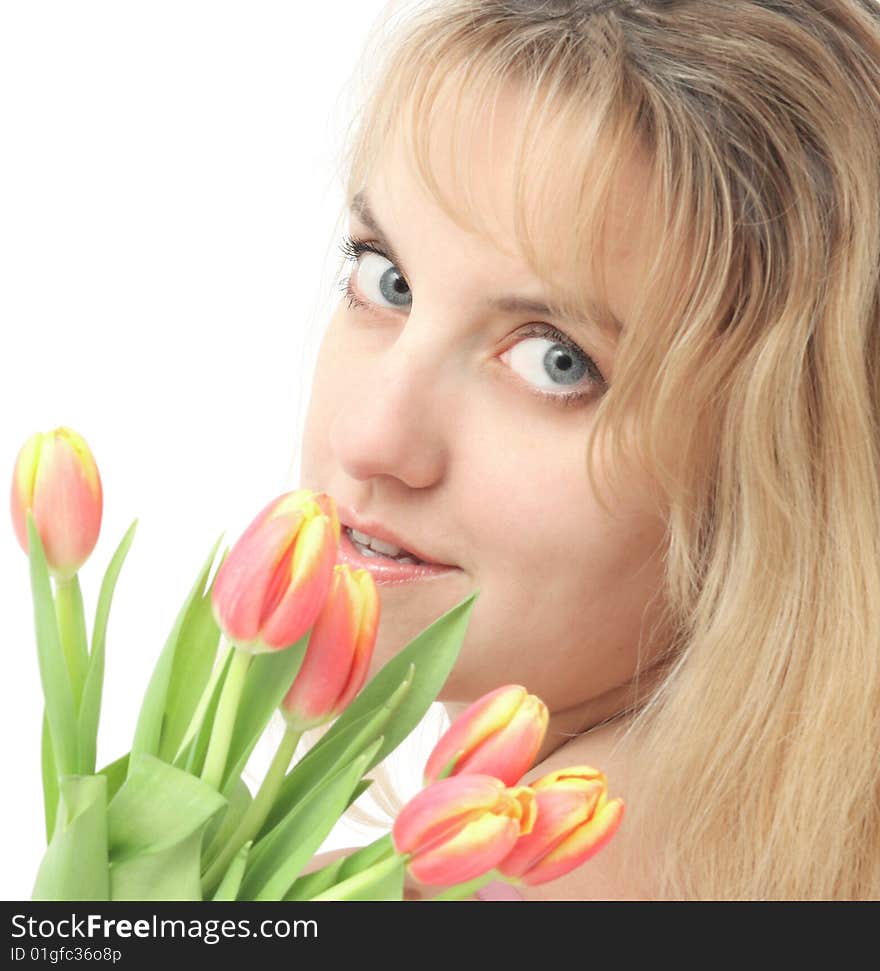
(421, 418)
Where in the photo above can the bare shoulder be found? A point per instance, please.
(604, 876)
(596, 879)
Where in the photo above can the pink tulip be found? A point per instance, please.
(339, 652)
(574, 821)
(57, 479)
(461, 827)
(272, 585)
(499, 734)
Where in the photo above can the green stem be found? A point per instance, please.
(224, 721)
(466, 890)
(198, 715)
(72, 628)
(255, 814)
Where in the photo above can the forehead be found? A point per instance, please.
(518, 201)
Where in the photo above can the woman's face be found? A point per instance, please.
(426, 417)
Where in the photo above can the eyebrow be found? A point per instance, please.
(601, 315)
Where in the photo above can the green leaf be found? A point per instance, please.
(224, 824)
(75, 866)
(308, 886)
(147, 736)
(341, 749)
(157, 807)
(90, 705)
(268, 680)
(50, 778)
(433, 652)
(169, 874)
(366, 856)
(190, 671)
(277, 860)
(230, 883)
(57, 691)
(359, 790)
(155, 826)
(218, 671)
(192, 757)
(115, 773)
(384, 881)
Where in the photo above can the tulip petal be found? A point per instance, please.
(299, 502)
(486, 715)
(368, 628)
(22, 494)
(528, 808)
(583, 843)
(325, 668)
(509, 753)
(85, 460)
(327, 504)
(475, 848)
(67, 501)
(311, 572)
(430, 811)
(559, 813)
(247, 575)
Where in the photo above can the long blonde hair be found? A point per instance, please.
(747, 380)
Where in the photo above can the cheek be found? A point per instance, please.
(567, 590)
(529, 499)
(328, 380)
(570, 631)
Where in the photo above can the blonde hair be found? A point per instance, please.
(746, 384)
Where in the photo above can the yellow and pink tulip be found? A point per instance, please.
(340, 648)
(56, 478)
(499, 735)
(271, 587)
(574, 821)
(461, 827)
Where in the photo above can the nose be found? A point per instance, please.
(394, 417)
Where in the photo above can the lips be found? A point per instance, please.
(374, 528)
(385, 569)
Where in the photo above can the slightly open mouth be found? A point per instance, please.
(403, 557)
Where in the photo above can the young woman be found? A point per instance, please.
(609, 352)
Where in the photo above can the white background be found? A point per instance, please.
(169, 213)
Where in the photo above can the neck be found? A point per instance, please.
(602, 716)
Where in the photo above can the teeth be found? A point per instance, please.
(389, 549)
(370, 546)
(360, 537)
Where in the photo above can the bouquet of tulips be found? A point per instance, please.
(282, 625)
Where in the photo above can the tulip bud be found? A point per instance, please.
(575, 820)
(499, 734)
(57, 479)
(270, 588)
(461, 827)
(339, 652)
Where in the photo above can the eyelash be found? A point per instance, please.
(352, 249)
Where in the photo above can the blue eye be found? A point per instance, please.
(548, 359)
(378, 278)
(561, 364)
